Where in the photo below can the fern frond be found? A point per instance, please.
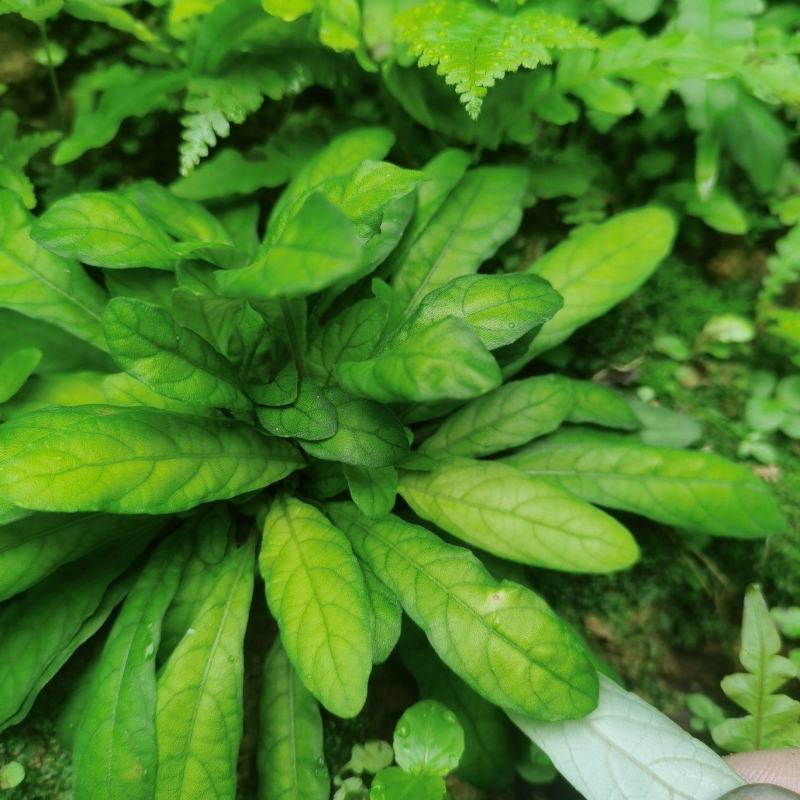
(473, 45)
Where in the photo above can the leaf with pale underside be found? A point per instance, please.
(501, 638)
(315, 590)
(199, 704)
(133, 460)
(147, 342)
(689, 489)
(509, 514)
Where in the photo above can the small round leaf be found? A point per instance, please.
(428, 739)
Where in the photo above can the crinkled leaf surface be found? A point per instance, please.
(104, 230)
(367, 434)
(291, 762)
(598, 266)
(499, 308)
(511, 515)
(34, 547)
(473, 44)
(501, 638)
(315, 590)
(627, 749)
(482, 212)
(199, 706)
(509, 416)
(130, 460)
(689, 489)
(444, 361)
(311, 416)
(115, 751)
(42, 285)
(146, 341)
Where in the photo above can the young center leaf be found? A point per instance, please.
(311, 416)
(506, 512)
(115, 751)
(626, 749)
(689, 489)
(597, 267)
(291, 761)
(509, 416)
(444, 361)
(199, 705)
(133, 460)
(104, 230)
(315, 590)
(501, 638)
(42, 285)
(374, 490)
(146, 341)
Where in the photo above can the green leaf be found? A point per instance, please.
(318, 247)
(509, 514)
(444, 361)
(89, 388)
(428, 739)
(315, 590)
(311, 416)
(148, 344)
(393, 783)
(773, 720)
(720, 22)
(15, 369)
(42, 628)
(133, 460)
(634, 10)
(387, 615)
(33, 10)
(490, 751)
(507, 417)
(481, 213)
(499, 308)
(599, 266)
(114, 17)
(41, 285)
(374, 490)
(368, 434)
(473, 45)
(12, 775)
(283, 390)
(34, 547)
(501, 638)
(629, 749)
(115, 751)
(199, 711)
(104, 230)
(291, 761)
(688, 489)
(350, 336)
(596, 404)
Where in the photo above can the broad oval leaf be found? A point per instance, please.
(374, 490)
(133, 460)
(505, 512)
(146, 342)
(367, 434)
(596, 404)
(199, 706)
(291, 761)
(318, 247)
(499, 308)
(115, 753)
(104, 230)
(315, 590)
(445, 361)
(599, 266)
(482, 212)
(500, 637)
(507, 417)
(627, 749)
(35, 546)
(42, 285)
(689, 489)
(311, 416)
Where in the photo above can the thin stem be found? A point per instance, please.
(291, 330)
(52, 72)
